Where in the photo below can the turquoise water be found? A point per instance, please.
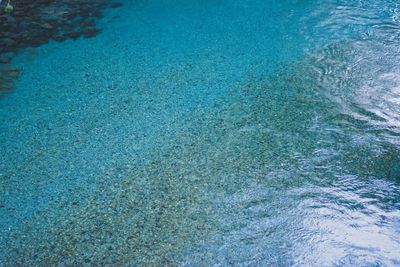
(215, 133)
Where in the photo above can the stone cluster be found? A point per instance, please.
(34, 22)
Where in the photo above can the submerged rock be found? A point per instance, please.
(35, 22)
(32, 23)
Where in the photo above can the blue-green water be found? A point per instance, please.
(211, 133)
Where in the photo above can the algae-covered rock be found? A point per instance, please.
(9, 8)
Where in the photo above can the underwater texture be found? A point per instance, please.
(206, 133)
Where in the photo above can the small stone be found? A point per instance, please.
(8, 42)
(13, 73)
(72, 35)
(89, 32)
(4, 60)
(6, 86)
(47, 26)
(59, 38)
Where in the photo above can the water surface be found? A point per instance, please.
(215, 133)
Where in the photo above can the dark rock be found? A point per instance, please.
(7, 42)
(87, 22)
(6, 81)
(89, 32)
(5, 59)
(72, 35)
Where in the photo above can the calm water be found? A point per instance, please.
(211, 133)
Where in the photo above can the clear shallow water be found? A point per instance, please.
(216, 133)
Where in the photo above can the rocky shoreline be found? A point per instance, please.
(32, 23)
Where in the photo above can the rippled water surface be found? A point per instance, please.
(208, 133)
